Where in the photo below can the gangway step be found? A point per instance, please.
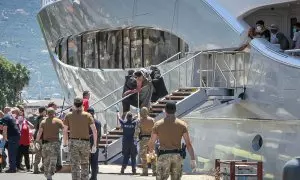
(175, 97)
(158, 106)
(181, 93)
(187, 89)
(116, 132)
(156, 110)
(103, 141)
(110, 136)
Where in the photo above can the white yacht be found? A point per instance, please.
(240, 105)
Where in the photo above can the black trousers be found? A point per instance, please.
(23, 151)
(129, 150)
(94, 165)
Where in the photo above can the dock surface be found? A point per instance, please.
(110, 172)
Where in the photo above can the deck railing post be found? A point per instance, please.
(217, 169)
(259, 170)
(232, 170)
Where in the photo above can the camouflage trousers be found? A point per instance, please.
(143, 152)
(169, 164)
(79, 155)
(37, 159)
(50, 151)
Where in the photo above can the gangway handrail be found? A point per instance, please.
(178, 65)
(101, 99)
(292, 51)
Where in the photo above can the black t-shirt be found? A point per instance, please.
(37, 125)
(12, 128)
(266, 34)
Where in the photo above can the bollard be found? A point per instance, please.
(291, 169)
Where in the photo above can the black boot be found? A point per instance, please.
(134, 171)
(122, 170)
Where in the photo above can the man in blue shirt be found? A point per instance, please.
(94, 156)
(129, 143)
(11, 134)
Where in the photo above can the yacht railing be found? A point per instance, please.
(220, 69)
(47, 2)
(292, 51)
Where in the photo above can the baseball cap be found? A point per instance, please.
(274, 26)
(91, 110)
(50, 110)
(78, 100)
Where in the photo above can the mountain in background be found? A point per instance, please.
(21, 41)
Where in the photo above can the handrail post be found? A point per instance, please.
(232, 170)
(106, 138)
(217, 169)
(259, 170)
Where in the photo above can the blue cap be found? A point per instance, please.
(91, 110)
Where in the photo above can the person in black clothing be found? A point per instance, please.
(11, 134)
(130, 84)
(94, 156)
(160, 89)
(38, 155)
(262, 31)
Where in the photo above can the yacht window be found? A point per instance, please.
(120, 48)
(64, 46)
(74, 51)
(89, 48)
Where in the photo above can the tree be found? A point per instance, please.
(13, 78)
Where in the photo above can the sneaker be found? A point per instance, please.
(10, 171)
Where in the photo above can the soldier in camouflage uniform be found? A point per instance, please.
(79, 123)
(169, 132)
(145, 126)
(50, 127)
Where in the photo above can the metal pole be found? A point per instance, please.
(259, 170)
(232, 170)
(106, 138)
(138, 97)
(217, 168)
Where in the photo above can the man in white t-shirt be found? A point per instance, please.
(296, 39)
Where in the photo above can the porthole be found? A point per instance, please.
(257, 142)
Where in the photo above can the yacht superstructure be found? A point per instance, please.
(238, 104)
